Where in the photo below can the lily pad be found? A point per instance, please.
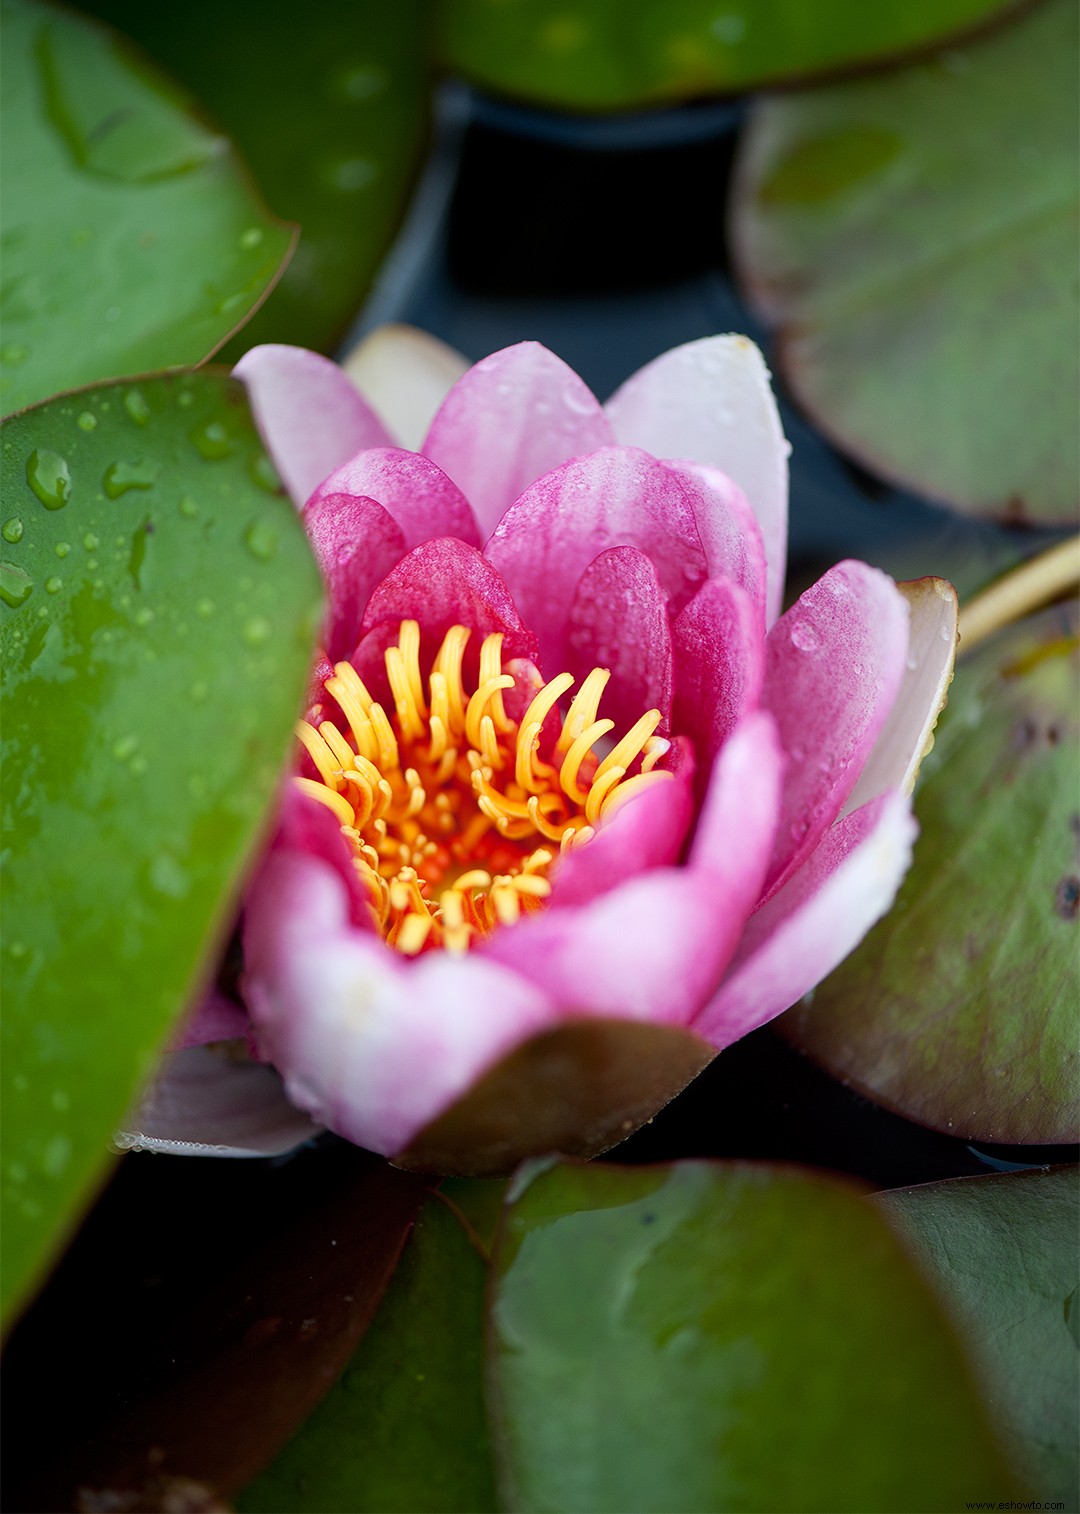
(160, 607)
(913, 237)
(959, 1008)
(332, 113)
(132, 237)
(405, 1428)
(1002, 1251)
(722, 1336)
(614, 54)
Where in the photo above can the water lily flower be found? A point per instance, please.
(574, 806)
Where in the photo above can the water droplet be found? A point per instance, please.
(13, 530)
(359, 84)
(62, 548)
(262, 538)
(48, 476)
(53, 585)
(232, 302)
(136, 406)
(91, 542)
(205, 608)
(189, 507)
(56, 1156)
(14, 353)
(211, 440)
(17, 1172)
(257, 630)
(17, 949)
(138, 766)
(86, 421)
(729, 29)
(138, 473)
(125, 748)
(60, 1101)
(349, 175)
(113, 313)
(199, 692)
(185, 399)
(265, 474)
(15, 585)
(251, 238)
(803, 637)
(168, 877)
(144, 616)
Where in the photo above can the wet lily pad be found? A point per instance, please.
(959, 1008)
(158, 617)
(132, 237)
(913, 237)
(331, 113)
(1002, 1251)
(722, 1336)
(614, 54)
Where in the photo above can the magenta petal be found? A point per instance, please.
(730, 534)
(811, 924)
(618, 497)
(415, 493)
(309, 415)
(356, 543)
(512, 417)
(711, 400)
(833, 665)
(369, 1043)
(719, 648)
(214, 1018)
(618, 620)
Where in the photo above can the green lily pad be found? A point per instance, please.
(1002, 1251)
(959, 1008)
(159, 611)
(613, 54)
(405, 1427)
(913, 237)
(331, 110)
(722, 1336)
(132, 238)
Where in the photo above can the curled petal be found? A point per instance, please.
(512, 417)
(719, 653)
(214, 1018)
(404, 374)
(309, 415)
(356, 543)
(811, 924)
(414, 492)
(711, 400)
(618, 620)
(730, 534)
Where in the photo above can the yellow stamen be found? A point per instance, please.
(568, 773)
(321, 755)
(332, 800)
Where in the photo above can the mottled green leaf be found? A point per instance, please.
(710, 1336)
(914, 237)
(404, 1429)
(959, 1008)
(612, 54)
(1002, 1251)
(329, 104)
(132, 238)
(158, 617)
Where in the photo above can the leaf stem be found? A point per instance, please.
(1026, 588)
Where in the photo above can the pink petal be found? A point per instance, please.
(214, 1018)
(369, 1043)
(729, 531)
(719, 650)
(308, 413)
(711, 400)
(307, 827)
(811, 924)
(514, 416)
(833, 666)
(404, 374)
(356, 543)
(618, 620)
(907, 734)
(617, 497)
(415, 493)
(203, 1103)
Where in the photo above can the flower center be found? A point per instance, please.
(453, 815)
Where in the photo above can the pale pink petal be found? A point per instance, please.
(514, 416)
(355, 543)
(719, 651)
(413, 491)
(214, 1018)
(207, 1103)
(729, 531)
(369, 1043)
(813, 922)
(833, 666)
(617, 497)
(308, 413)
(618, 620)
(711, 400)
(404, 374)
(907, 734)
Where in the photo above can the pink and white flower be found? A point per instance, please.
(568, 780)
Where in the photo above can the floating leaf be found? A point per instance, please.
(332, 114)
(405, 1428)
(1003, 1251)
(153, 664)
(611, 54)
(132, 238)
(913, 236)
(722, 1337)
(959, 1008)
